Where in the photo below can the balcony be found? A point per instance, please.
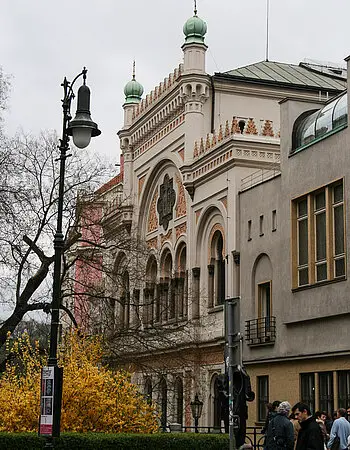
(260, 331)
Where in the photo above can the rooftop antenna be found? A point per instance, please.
(195, 7)
(267, 28)
(133, 70)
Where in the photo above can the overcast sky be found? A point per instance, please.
(41, 41)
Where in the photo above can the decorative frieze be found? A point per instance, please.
(239, 126)
(159, 91)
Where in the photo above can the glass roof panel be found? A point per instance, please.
(324, 122)
(340, 114)
(307, 130)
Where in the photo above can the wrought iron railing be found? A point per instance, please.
(261, 330)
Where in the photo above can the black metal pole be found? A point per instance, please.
(196, 424)
(59, 247)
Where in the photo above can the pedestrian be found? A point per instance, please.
(280, 434)
(348, 414)
(296, 426)
(318, 417)
(310, 435)
(271, 413)
(340, 431)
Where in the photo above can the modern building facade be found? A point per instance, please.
(294, 248)
(201, 187)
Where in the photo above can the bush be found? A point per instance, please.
(93, 441)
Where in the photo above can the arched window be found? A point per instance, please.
(148, 390)
(125, 301)
(179, 400)
(149, 294)
(163, 403)
(167, 289)
(216, 271)
(181, 285)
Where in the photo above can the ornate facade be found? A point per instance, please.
(188, 149)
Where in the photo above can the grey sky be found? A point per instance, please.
(41, 41)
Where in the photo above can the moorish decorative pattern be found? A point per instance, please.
(152, 216)
(181, 209)
(180, 230)
(166, 237)
(152, 243)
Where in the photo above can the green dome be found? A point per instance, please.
(133, 91)
(194, 30)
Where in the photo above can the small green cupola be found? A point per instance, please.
(195, 29)
(133, 89)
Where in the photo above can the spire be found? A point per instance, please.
(133, 70)
(133, 89)
(195, 7)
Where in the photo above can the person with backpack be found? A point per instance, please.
(280, 433)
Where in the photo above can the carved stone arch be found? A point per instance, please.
(180, 256)
(151, 269)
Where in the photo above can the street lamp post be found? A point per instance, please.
(196, 408)
(81, 128)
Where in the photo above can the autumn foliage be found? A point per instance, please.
(94, 397)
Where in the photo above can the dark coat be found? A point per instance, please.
(310, 435)
(280, 433)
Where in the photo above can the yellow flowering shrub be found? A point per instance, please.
(94, 397)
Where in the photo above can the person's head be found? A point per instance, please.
(324, 416)
(302, 411)
(318, 415)
(275, 405)
(348, 412)
(284, 408)
(269, 407)
(341, 412)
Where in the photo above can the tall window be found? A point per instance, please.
(179, 400)
(344, 389)
(307, 389)
(318, 236)
(148, 390)
(163, 403)
(326, 400)
(216, 403)
(216, 271)
(264, 298)
(263, 396)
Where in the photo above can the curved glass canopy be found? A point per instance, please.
(316, 124)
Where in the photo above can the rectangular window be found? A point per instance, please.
(307, 389)
(263, 396)
(261, 226)
(319, 231)
(344, 389)
(249, 230)
(326, 398)
(274, 220)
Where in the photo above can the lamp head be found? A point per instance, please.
(82, 128)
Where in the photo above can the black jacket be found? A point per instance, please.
(310, 436)
(280, 434)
